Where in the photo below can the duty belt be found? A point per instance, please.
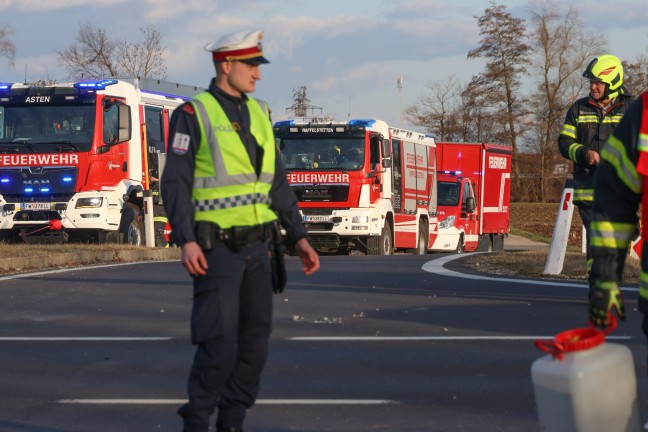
(236, 237)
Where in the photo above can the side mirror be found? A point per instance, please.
(386, 148)
(470, 205)
(124, 123)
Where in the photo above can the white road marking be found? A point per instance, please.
(437, 267)
(258, 402)
(430, 338)
(82, 339)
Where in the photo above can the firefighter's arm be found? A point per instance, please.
(568, 145)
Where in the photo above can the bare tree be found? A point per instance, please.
(7, 47)
(480, 116)
(96, 55)
(507, 57)
(562, 50)
(435, 110)
(636, 75)
(143, 59)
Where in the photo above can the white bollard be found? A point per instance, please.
(558, 248)
(149, 229)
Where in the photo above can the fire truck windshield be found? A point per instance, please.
(46, 128)
(322, 153)
(448, 193)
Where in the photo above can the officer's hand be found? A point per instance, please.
(604, 298)
(308, 256)
(193, 259)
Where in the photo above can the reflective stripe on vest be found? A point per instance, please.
(226, 188)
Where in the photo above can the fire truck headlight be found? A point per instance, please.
(93, 202)
(360, 219)
(447, 222)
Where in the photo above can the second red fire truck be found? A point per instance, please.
(364, 187)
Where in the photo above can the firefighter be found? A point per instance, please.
(620, 189)
(588, 124)
(223, 187)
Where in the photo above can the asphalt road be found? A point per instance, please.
(399, 343)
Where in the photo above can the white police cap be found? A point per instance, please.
(243, 46)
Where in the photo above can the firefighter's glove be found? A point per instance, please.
(604, 298)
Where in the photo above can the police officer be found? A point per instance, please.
(588, 124)
(223, 188)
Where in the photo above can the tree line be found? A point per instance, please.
(533, 74)
(531, 77)
(94, 54)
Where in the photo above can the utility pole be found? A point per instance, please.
(399, 86)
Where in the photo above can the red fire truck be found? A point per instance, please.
(76, 159)
(474, 185)
(362, 187)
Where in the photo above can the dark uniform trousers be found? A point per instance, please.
(231, 323)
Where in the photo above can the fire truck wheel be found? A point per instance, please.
(131, 227)
(422, 244)
(461, 247)
(381, 245)
(498, 242)
(385, 245)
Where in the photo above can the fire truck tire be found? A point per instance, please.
(484, 243)
(381, 245)
(422, 243)
(131, 227)
(498, 242)
(461, 247)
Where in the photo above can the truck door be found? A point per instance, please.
(470, 215)
(154, 139)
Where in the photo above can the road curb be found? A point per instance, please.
(69, 259)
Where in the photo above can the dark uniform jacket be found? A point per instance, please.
(176, 189)
(587, 127)
(617, 196)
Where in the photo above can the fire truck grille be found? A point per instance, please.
(63, 197)
(318, 226)
(321, 193)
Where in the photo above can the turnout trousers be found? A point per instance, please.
(231, 322)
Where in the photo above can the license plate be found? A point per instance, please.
(37, 206)
(316, 218)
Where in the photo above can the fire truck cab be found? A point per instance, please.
(76, 158)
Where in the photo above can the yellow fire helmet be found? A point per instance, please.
(607, 69)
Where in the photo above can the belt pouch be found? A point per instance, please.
(206, 234)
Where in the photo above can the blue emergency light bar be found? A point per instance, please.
(362, 122)
(284, 123)
(5, 86)
(94, 85)
(457, 173)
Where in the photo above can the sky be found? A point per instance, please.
(348, 53)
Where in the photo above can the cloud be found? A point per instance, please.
(160, 10)
(52, 5)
